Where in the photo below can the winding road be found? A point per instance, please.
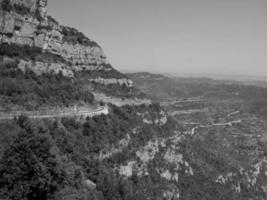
(53, 114)
(231, 123)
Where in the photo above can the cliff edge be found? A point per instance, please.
(26, 23)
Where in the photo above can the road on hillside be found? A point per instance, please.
(231, 123)
(192, 132)
(88, 112)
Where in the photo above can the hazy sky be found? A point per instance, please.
(174, 36)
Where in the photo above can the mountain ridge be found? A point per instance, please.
(38, 52)
(202, 140)
(27, 23)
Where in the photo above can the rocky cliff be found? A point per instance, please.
(26, 23)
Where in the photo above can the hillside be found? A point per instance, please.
(225, 125)
(67, 147)
(72, 127)
(43, 62)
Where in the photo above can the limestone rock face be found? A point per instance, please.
(40, 68)
(42, 8)
(44, 32)
(32, 4)
(25, 22)
(78, 54)
(123, 81)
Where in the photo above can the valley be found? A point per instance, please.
(224, 134)
(72, 127)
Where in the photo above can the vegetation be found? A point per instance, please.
(52, 20)
(63, 154)
(116, 90)
(30, 91)
(21, 9)
(91, 150)
(29, 53)
(18, 8)
(252, 99)
(120, 91)
(259, 107)
(73, 36)
(6, 5)
(51, 159)
(41, 27)
(112, 73)
(28, 168)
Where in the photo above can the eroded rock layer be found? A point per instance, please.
(26, 23)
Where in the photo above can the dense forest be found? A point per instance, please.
(30, 91)
(52, 159)
(204, 139)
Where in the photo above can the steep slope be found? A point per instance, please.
(73, 159)
(37, 53)
(27, 23)
(46, 66)
(224, 126)
(134, 151)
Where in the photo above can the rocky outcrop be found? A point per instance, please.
(121, 101)
(40, 68)
(25, 22)
(122, 81)
(161, 119)
(174, 162)
(248, 178)
(34, 28)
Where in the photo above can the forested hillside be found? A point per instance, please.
(200, 140)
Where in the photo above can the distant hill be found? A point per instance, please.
(85, 131)
(164, 88)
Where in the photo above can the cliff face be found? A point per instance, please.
(25, 22)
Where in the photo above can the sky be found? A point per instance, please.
(174, 36)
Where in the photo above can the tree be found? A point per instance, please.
(108, 184)
(6, 5)
(28, 169)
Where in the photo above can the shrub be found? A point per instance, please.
(28, 169)
(38, 15)
(18, 8)
(52, 20)
(10, 69)
(6, 5)
(21, 9)
(26, 52)
(73, 36)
